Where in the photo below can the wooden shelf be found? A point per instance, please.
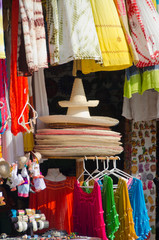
(86, 158)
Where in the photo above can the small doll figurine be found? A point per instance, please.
(34, 168)
(15, 179)
(23, 189)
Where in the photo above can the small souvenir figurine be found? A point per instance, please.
(147, 134)
(15, 179)
(23, 189)
(140, 134)
(34, 169)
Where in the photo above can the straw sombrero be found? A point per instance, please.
(76, 151)
(4, 168)
(78, 112)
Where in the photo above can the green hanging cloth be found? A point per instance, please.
(110, 214)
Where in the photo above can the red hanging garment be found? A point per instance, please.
(56, 202)
(18, 85)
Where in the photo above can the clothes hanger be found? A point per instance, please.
(119, 171)
(85, 172)
(31, 121)
(101, 173)
(96, 170)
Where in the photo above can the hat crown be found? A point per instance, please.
(78, 93)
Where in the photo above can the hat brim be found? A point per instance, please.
(80, 151)
(67, 140)
(96, 121)
(92, 103)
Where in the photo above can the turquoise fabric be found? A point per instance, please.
(140, 216)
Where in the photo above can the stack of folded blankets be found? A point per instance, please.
(77, 133)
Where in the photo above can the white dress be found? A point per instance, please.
(71, 30)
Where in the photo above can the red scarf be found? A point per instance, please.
(18, 84)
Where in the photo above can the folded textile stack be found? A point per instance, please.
(77, 133)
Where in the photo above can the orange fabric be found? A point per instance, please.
(56, 202)
(18, 85)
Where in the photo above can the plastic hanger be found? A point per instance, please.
(101, 173)
(31, 121)
(95, 171)
(85, 172)
(119, 171)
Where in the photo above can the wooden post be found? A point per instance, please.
(79, 168)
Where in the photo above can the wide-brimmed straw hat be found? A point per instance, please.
(37, 155)
(4, 168)
(78, 111)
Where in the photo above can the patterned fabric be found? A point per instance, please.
(113, 44)
(34, 34)
(121, 8)
(140, 216)
(69, 23)
(2, 51)
(126, 229)
(143, 165)
(110, 214)
(144, 28)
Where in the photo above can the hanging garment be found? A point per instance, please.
(126, 229)
(138, 80)
(121, 8)
(155, 3)
(28, 139)
(41, 103)
(2, 48)
(88, 212)
(56, 202)
(110, 214)
(12, 146)
(34, 34)
(22, 67)
(143, 107)
(71, 31)
(113, 44)
(18, 85)
(140, 216)
(144, 28)
(3, 103)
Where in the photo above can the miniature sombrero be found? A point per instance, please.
(4, 168)
(78, 112)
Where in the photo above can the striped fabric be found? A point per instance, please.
(34, 34)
